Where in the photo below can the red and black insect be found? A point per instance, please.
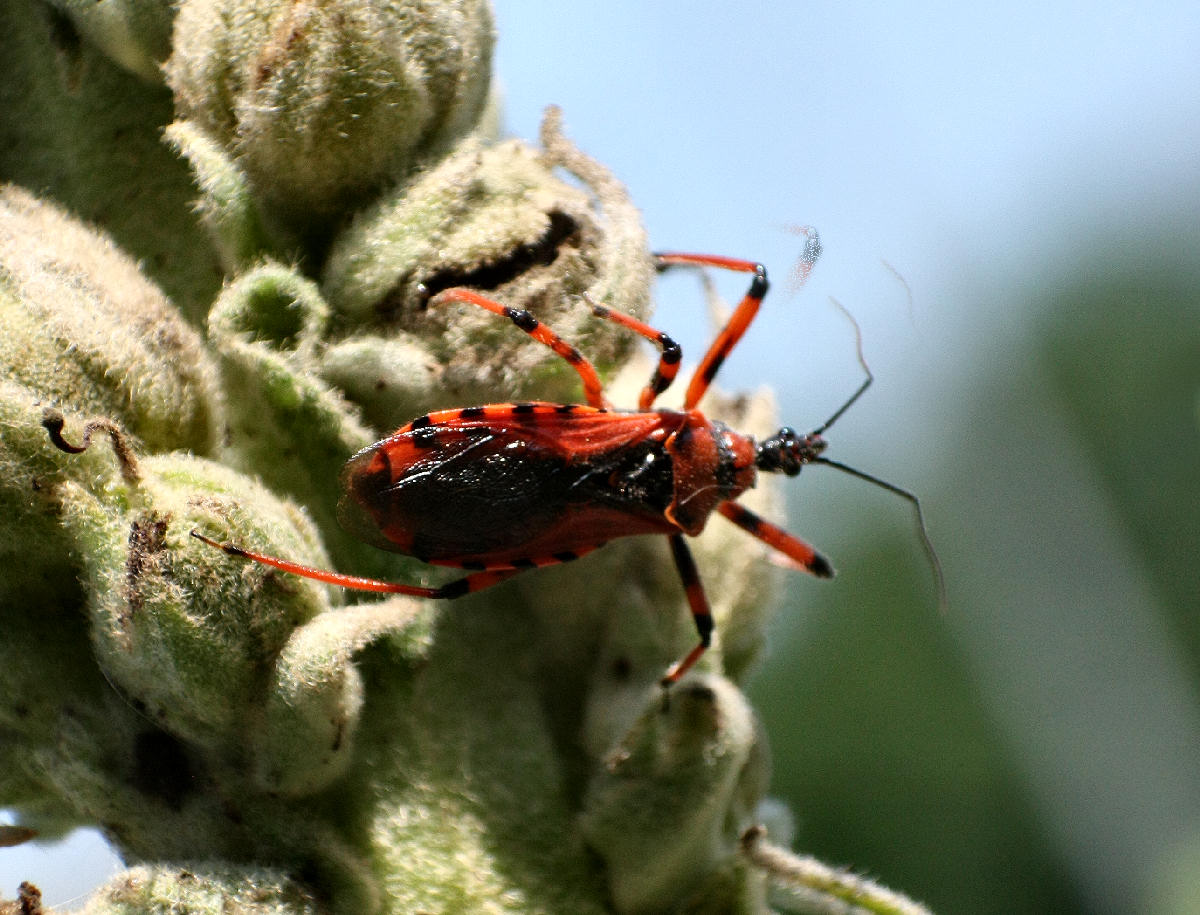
(502, 488)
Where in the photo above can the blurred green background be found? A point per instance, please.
(1036, 749)
(1009, 199)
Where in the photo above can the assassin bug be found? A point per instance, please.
(501, 488)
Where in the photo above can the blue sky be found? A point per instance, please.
(957, 143)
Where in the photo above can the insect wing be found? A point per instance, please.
(373, 478)
(485, 482)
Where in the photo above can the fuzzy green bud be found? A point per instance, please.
(83, 327)
(316, 693)
(321, 104)
(175, 622)
(203, 888)
(675, 793)
(500, 220)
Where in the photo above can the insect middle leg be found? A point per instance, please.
(727, 339)
(668, 361)
(592, 388)
(672, 354)
(697, 601)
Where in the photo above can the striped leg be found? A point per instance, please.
(729, 336)
(477, 581)
(701, 614)
(593, 389)
(790, 546)
(668, 361)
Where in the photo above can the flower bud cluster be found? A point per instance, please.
(319, 753)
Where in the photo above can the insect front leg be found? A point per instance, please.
(788, 545)
(739, 321)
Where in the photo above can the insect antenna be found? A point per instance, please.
(926, 543)
(935, 562)
(862, 360)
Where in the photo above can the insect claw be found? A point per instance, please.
(223, 547)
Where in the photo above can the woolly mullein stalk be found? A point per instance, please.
(399, 755)
(672, 797)
(248, 738)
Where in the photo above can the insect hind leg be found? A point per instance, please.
(745, 312)
(482, 575)
(468, 584)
